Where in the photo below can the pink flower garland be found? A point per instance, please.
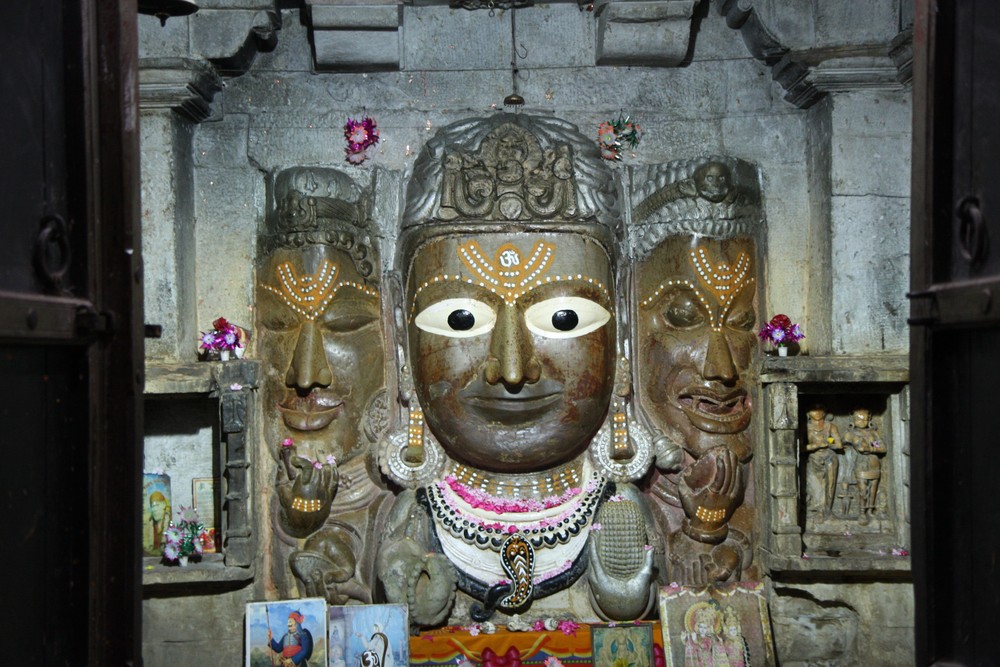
(482, 500)
(361, 135)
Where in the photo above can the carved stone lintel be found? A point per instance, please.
(806, 77)
(184, 85)
(356, 35)
(641, 32)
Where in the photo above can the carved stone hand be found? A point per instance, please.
(711, 489)
(306, 498)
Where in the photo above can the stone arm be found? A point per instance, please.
(831, 439)
(409, 571)
(623, 570)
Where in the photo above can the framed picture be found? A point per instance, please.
(373, 635)
(722, 624)
(156, 512)
(203, 500)
(286, 632)
(626, 644)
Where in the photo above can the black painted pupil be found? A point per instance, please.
(565, 320)
(461, 320)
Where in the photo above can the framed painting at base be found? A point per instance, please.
(156, 512)
(373, 635)
(624, 644)
(721, 624)
(286, 632)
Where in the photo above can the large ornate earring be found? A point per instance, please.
(623, 449)
(411, 456)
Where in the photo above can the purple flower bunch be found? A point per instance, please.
(781, 331)
(223, 336)
(185, 538)
(361, 135)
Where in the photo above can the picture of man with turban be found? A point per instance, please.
(296, 647)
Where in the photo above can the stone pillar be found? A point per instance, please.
(786, 534)
(175, 94)
(870, 220)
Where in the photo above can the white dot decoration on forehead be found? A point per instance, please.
(310, 295)
(509, 274)
(721, 280)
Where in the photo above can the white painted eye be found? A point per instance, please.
(456, 318)
(565, 317)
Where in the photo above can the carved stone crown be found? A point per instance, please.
(319, 205)
(713, 196)
(510, 168)
(314, 199)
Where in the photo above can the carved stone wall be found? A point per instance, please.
(831, 180)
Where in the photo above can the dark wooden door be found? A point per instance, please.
(70, 343)
(955, 342)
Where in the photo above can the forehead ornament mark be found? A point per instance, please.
(721, 280)
(309, 295)
(509, 275)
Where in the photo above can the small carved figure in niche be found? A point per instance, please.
(863, 436)
(825, 447)
(323, 358)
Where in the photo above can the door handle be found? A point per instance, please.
(973, 235)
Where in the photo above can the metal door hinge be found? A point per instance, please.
(89, 322)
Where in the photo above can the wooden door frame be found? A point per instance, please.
(110, 97)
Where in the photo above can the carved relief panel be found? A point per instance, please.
(846, 474)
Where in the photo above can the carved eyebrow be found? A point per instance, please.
(309, 295)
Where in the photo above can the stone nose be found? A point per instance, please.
(719, 363)
(512, 357)
(309, 367)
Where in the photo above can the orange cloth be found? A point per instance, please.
(446, 645)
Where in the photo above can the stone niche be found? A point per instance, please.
(838, 463)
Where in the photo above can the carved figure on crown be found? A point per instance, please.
(319, 323)
(696, 280)
(516, 459)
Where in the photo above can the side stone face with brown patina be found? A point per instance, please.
(320, 337)
(697, 280)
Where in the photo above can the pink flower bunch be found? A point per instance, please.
(781, 331)
(482, 500)
(613, 135)
(510, 528)
(568, 627)
(223, 336)
(187, 538)
(361, 135)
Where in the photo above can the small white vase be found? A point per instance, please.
(224, 355)
(782, 351)
(183, 560)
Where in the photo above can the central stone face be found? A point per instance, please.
(512, 345)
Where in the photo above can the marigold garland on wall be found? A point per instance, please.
(615, 135)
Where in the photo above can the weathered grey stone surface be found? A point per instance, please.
(193, 629)
(842, 624)
(168, 235)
